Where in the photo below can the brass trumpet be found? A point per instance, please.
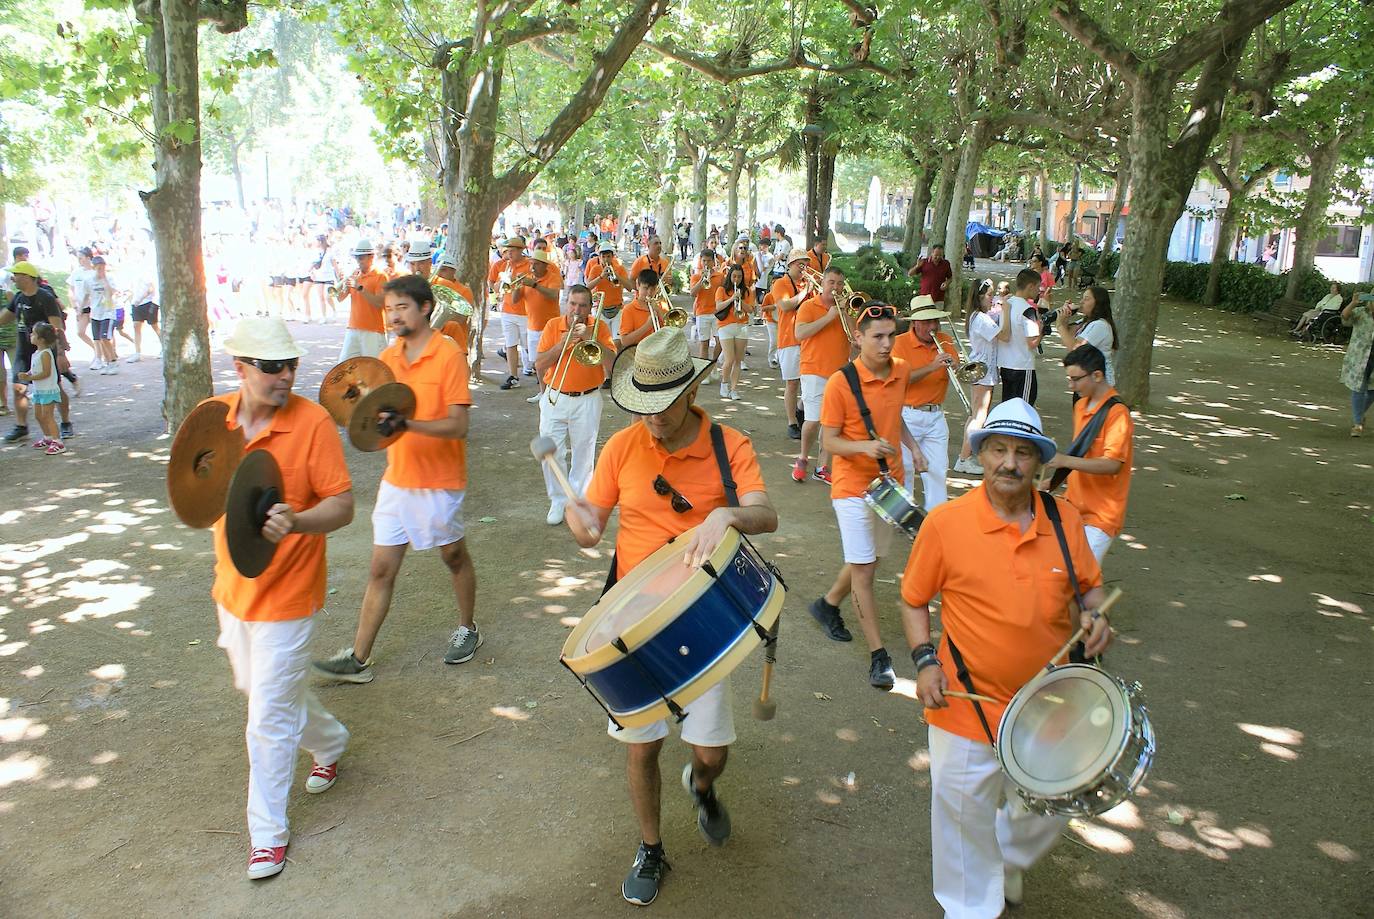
(344, 286)
(674, 317)
(587, 352)
(969, 371)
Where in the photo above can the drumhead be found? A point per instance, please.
(1062, 734)
(622, 609)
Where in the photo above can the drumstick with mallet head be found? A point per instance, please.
(764, 707)
(544, 449)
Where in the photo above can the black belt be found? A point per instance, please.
(585, 392)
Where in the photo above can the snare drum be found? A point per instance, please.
(894, 504)
(666, 633)
(1076, 741)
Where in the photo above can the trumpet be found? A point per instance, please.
(673, 317)
(587, 352)
(342, 286)
(969, 371)
(509, 281)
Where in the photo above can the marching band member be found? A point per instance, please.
(635, 322)
(732, 326)
(763, 267)
(825, 348)
(1100, 479)
(994, 558)
(857, 457)
(653, 259)
(788, 293)
(506, 270)
(570, 410)
(742, 257)
(712, 246)
(817, 257)
(928, 353)
(606, 276)
(420, 499)
(664, 473)
(540, 296)
(703, 289)
(265, 623)
(457, 329)
(366, 332)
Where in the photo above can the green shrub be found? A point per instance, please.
(888, 231)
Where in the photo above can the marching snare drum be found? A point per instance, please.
(894, 504)
(1076, 741)
(666, 633)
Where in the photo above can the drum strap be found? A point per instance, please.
(1084, 441)
(1052, 512)
(961, 670)
(851, 375)
(723, 461)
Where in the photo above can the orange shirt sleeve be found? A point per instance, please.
(925, 566)
(453, 383)
(328, 468)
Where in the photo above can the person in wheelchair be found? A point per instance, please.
(1316, 317)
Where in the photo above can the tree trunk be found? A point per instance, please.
(237, 170)
(665, 211)
(944, 193)
(956, 227)
(1123, 182)
(753, 221)
(732, 195)
(914, 227)
(1221, 253)
(825, 191)
(1311, 225)
(1046, 212)
(172, 55)
(1071, 229)
(700, 172)
(579, 214)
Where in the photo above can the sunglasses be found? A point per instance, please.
(878, 311)
(272, 368)
(680, 504)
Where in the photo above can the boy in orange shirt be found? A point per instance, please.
(703, 289)
(929, 353)
(825, 348)
(366, 332)
(788, 293)
(515, 264)
(266, 622)
(540, 298)
(420, 499)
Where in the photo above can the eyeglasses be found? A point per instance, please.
(878, 311)
(680, 504)
(1074, 379)
(272, 368)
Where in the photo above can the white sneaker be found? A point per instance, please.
(134, 359)
(972, 466)
(96, 364)
(1013, 886)
(724, 391)
(734, 396)
(108, 370)
(555, 515)
(535, 398)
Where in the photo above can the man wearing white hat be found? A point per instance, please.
(929, 355)
(606, 276)
(788, 293)
(366, 332)
(664, 472)
(266, 622)
(994, 557)
(420, 257)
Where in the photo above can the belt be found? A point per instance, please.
(928, 407)
(585, 392)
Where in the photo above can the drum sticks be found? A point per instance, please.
(543, 449)
(764, 707)
(1112, 597)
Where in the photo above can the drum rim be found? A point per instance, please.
(887, 481)
(1090, 776)
(640, 632)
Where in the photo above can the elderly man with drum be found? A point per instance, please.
(1003, 560)
(666, 475)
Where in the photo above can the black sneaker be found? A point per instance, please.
(829, 618)
(65, 430)
(501, 354)
(712, 818)
(18, 432)
(511, 383)
(646, 874)
(794, 432)
(880, 672)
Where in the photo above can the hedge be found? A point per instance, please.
(1246, 287)
(877, 274)
(888, 231)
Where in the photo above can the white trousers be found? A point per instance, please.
(1098, 541)
(979, 828)
(573, 424)
(931, 433)
(531, 348)
(270, 660)
(361, 343)
(772, 329)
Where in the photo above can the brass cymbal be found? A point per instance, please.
(362, 427)
(257, 485)
(205, 453)
(348, 381)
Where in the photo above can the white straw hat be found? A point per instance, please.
(922, 300)
(263, 338)
(419, 251)
(1015, 418)
(648, 377)
(449, 261)
(539, 255)
(363, 247)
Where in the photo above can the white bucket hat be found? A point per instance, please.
(449, 261)
(419, 251)
(363, 247)
(648, 377)
(263, 338)
(1015, 418)
(607, 246)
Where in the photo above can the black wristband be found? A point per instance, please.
(922, 652)
(931, 661)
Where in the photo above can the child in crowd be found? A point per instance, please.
(42, 379)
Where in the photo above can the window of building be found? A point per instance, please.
(1340, 241)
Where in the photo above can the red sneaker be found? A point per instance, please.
(322, 778)
(822, 474)
(799, 471)
(266, 861)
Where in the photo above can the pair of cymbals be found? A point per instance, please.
(357, 392)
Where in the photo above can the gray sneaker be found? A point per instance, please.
(462, 645)
(646, 874)
(345, 667)
(712, 818)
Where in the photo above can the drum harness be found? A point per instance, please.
(1084, 441)
(769, 638)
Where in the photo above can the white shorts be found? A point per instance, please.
(360, 343)
(789, 362)
(735, 331)
(706, 327)
(864, 536)
(1098, 541)
(812, 393)
(513, 328)
(426, 518)
(710, 722)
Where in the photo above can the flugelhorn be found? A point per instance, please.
(449, 305)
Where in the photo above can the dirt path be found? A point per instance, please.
(491, 789)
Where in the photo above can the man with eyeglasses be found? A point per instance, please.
(266, 622)
(1099, 460)
(857, 458)
(420, 499)
(664, 474)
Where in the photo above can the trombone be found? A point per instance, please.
(849, 301)
(587, 352)
(969, 371)
(674, 317)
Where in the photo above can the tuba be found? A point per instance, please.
(449, 306)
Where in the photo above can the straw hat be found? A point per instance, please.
(449, 261)
(1015, 418)
(798, 255)
(928, 312)
(648, 377)
(263, 338)
(516, 242)
(921, 300)
(539, 255)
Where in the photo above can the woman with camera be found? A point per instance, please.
(1358, 366)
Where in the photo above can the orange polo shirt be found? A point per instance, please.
(732, 317)
(500, 266)
(362, 315)
(826, 351)
(304, 441)
(457, 331)
(580, 378)
(818, 264)
(456, 286)
(850, 475)
(643, 262)
(439, 377)
(539, 308)
(704, 300)
(784, 288)
(1004, 598)
(630, 463)
(1101, 499)
(615, 294)
(634, 315)
(931, 388)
